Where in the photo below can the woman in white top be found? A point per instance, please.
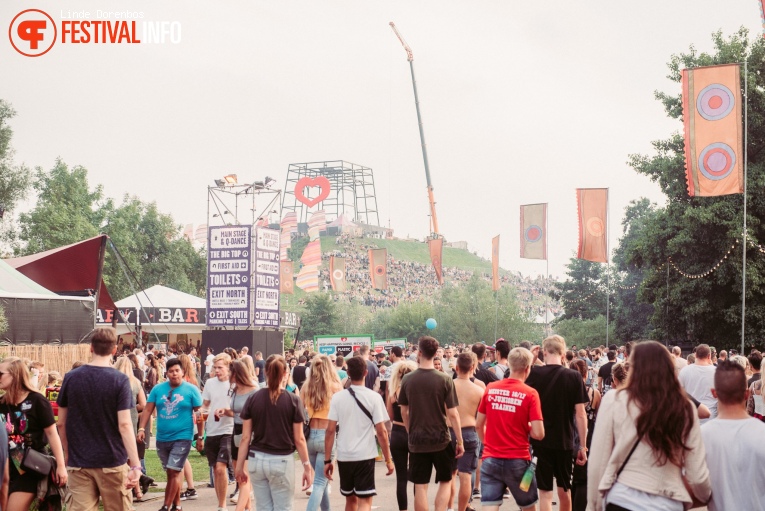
(645, 440)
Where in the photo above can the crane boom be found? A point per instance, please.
(410, 58)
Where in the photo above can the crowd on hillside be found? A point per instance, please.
(410, 281)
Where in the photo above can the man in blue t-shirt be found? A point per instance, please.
(175, 401)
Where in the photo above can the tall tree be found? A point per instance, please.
(695, 233)
(320, 316)
(15, 180)
(583, 293)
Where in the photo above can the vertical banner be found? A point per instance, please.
(714, 149)
(534, 231)
(337, 273)
(378, 267)
(308, 279)
(266, 278)
(285, 278)
(495, 263)
(436, 248)
(228, 273)
(762, 15)
(312, 254)
(592, 205)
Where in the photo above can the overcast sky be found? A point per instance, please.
(522, 102)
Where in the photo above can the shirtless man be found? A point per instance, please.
(469, 394)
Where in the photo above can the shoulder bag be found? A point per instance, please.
(363, 408)
(35, 461)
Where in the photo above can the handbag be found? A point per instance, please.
(35, 461)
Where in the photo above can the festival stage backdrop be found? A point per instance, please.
(534, 231)
(592, 210)
(713, 132)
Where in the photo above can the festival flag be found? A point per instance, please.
(495, 263)
(312, 254)
(318, 219)
(378, 259)
(262, 222)
(762, 15)
(285, 242)
(285, 278)
(592, 210)
(289, 222)
(308, 278)
(713, 131)
(337, 273)
(436, 247)
(188, 232)
(534, 231)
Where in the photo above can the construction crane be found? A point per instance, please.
(410, 58)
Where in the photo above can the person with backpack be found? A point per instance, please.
(501, 366)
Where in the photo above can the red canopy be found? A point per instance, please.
(69, 270)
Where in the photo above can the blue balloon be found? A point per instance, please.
(431, 324)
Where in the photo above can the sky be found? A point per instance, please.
(522, 102)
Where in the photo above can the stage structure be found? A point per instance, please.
(232, 203)
(335, 186)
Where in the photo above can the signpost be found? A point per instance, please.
(266, 278)
(228, 275)
(340, 345)
(387, 344)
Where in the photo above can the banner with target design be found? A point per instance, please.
(534, 231)
(378, 260)
(436, 249)
(337, 273)
(286, 285)
(592, 210)
(713, 130)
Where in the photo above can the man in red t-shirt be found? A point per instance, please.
(509, 411)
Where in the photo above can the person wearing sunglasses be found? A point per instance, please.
(176, 402)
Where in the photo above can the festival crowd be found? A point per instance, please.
(409, 281)
(636, 427)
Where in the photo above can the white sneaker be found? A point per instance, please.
(309, 490)
(222, 509)
(235, 498)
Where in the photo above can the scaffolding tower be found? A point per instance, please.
(352, 191)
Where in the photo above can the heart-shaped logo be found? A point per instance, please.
(309, 182)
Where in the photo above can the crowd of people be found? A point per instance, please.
(635, 427)
(410, 281)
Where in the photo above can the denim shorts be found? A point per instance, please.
(498, 474)
(173, 454)
(469, 460)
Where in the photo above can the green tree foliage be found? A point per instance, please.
(584, 291)
(14, 180)
(320, 316)
(67, 211)
(695, 233)
(585, 332)
(3, 321)
(631, 317)
(405, 320)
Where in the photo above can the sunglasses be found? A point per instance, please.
(170, 395)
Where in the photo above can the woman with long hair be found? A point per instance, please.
(579, 475)
(189, 373)
(399, 439)
(273, 419)
(29, 421)
(316, 393)
(125, 366)
(243, 387)
(137, 370)
(648, 445)
(153, 373)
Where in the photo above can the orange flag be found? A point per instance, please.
(714, 151)
(592, 210)
(495, 263)
(534, 231)
(337, 273)
(378, 259)
(436, 248)
(286, 286)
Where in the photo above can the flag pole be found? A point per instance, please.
(743, 248)
(547, 275)
(496, 313)
(608, 263)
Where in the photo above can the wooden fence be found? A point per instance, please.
(56, 358)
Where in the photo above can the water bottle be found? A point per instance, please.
(528, 475)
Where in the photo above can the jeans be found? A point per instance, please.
(273, 480)
(319, 495)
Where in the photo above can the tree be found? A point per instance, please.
(695, 233)
(585, 332)
(3, 321)
(320, 316)
(631, 318)
(407, 320)
(14, 180)
(583, 293)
